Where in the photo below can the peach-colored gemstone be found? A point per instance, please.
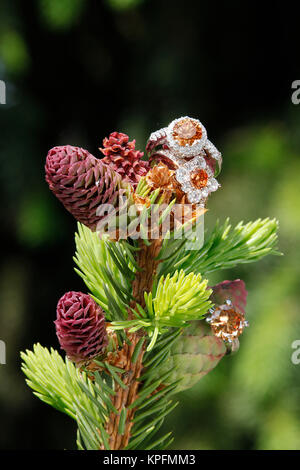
(187, 131)
(199, 178)
(226, 323)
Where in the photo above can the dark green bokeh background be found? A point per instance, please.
(77, 70)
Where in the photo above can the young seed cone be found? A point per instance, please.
(82, 183)
(80, 327)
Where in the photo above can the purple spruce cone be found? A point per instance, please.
(81, 182)
(80, 327)
(121, 155)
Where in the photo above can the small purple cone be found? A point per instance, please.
(81, 182)
(80, 327)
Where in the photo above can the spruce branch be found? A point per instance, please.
(178, 299)
(107, 269)
(147, 339)
(58, 383)
(133, 352)
(224, 248)
(173, 302)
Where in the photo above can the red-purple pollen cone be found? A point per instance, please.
(120, 154)
(80, 327)
(81, 182)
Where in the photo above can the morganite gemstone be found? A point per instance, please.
(186, 131)
(227, 323)
(199, 178)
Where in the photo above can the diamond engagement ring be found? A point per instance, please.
(196, 160)
(184, 138)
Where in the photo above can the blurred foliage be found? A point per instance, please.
(76, 71)
(13, 52)
(61, 14)
(123, 4)
(38, 222)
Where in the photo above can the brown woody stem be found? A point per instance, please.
(124, 397)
